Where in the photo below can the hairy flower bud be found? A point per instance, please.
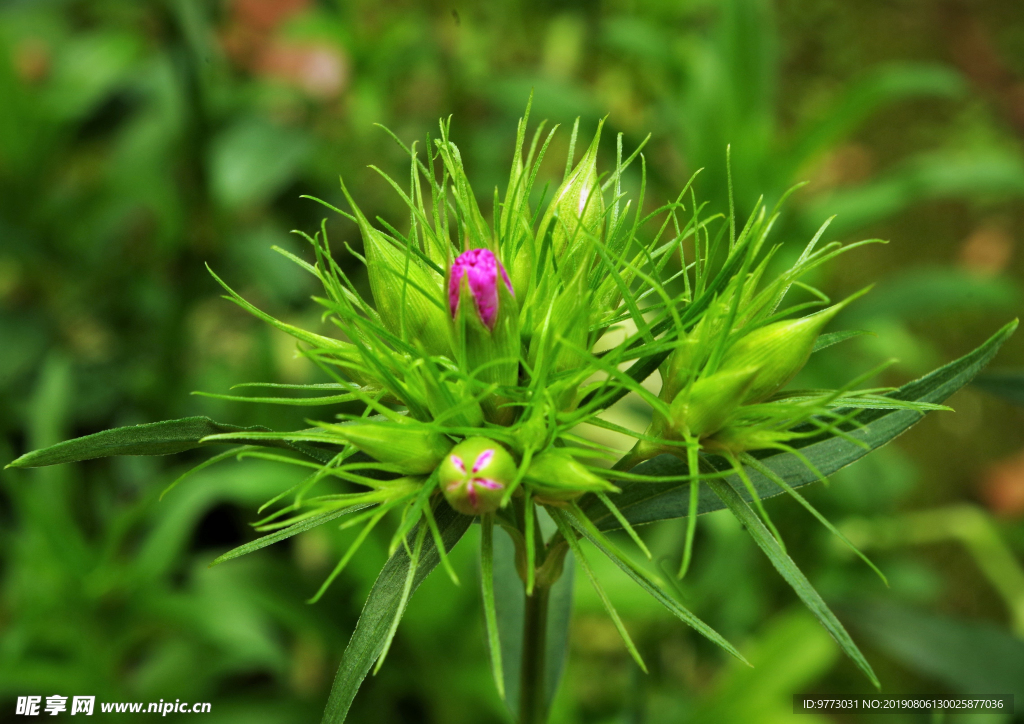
(475, 475)
(577, 212)
(407, 294)
(556, 478)
(410, 448)
(778, 351)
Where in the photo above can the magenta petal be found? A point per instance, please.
(472, 494)
(488, 483)
(459, 465)
(482, 460)
(480, 268)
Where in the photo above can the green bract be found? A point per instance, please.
(451, 403)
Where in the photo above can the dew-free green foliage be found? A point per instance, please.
(448, 349)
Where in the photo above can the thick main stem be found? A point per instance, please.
(532, 699)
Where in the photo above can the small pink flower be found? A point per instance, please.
(481, 271)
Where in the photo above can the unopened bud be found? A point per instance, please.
(778, 351)
(475, 475)
(556, 478)
(409, 448)
(486, 325)
(577, 212)
(407, 294)
(710, 401)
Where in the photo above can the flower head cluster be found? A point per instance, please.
(494, 342)
(491, 345)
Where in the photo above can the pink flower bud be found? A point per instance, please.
(475, 475)
(481, 271)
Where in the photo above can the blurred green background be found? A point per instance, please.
(139, 140)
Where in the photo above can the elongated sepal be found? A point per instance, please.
(475, 475)
(452, 402)
(410, 448)
(557, 478)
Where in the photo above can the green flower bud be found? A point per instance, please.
(408, 295)
(778, 351)
(679, 366)
(557, 478)
(577, 211)
(410, 448)
(475, 475)
(710, 401)
(517, 227)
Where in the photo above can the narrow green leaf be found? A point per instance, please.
(403, 601)
(583, 524)
(827, 340)
(487, 590)
(371, 630)
(789, 570)
(288, 532)
(155, 438)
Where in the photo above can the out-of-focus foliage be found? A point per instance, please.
(139, 140)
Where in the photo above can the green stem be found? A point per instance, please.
(532, 698)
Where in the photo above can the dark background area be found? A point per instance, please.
(140, 140)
